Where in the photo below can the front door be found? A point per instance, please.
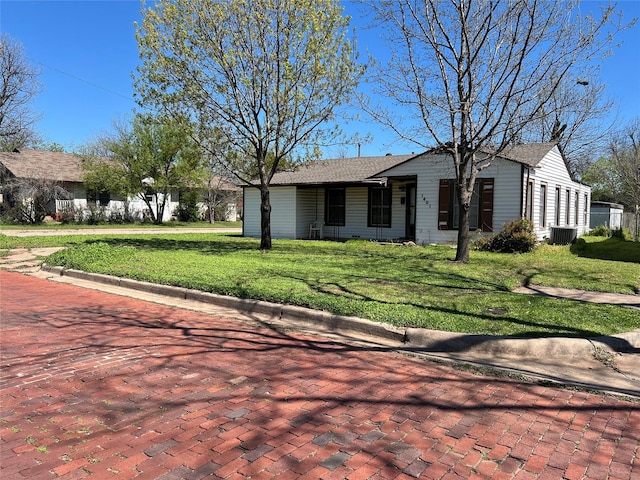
(410, 230)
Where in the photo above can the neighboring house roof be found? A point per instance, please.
(64, 167)
(37, 164)
(338, 171)
(597, 203)
(218, 182)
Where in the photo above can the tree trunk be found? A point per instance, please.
(151, 214)
(211, 203)
(265, 218)
(160, 205)
(462, 250)
(160, 210)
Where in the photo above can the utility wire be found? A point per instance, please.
(84, 81)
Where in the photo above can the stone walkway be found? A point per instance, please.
(26, 260)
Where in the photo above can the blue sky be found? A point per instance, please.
(86, 51)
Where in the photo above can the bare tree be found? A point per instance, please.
(625, 156)
(473, 76)
(220, 192)
(579, 121)
(615, 177)
(215, 178)
(269, 73)
(18, 89)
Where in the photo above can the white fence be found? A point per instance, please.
(64, 205)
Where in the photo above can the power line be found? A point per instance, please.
(75, 77)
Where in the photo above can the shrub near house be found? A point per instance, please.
(516, 236)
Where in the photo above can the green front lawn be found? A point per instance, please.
(404, 286)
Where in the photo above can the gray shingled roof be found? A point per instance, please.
(360, 169)
(528, 154)
(339, 171)
(36, 164)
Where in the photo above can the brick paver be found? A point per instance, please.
(100, 386)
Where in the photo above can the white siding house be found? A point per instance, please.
(527, 181)
(412, 197)
(283, 201)
(64, 169)
(333, 193)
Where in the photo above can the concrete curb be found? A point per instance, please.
(416, 339)
(444, 342)
(328, 321)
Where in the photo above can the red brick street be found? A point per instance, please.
(102, 386)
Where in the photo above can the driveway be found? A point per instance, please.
(101, 386)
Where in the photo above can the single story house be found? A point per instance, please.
(412, 197)
(607, 214)
(66, 171)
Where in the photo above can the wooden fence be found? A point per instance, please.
(631, 221)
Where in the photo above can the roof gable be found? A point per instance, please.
(526, 154)
(37, 164)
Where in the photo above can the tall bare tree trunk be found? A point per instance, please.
(211, 202)
(160, 208)
(462, 250)
(265, 218)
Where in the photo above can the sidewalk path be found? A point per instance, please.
(110, 231)
(630, 301)
(99, 386)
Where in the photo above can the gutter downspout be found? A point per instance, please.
(521, 189)
(524, 201)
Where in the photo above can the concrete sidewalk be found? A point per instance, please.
(111, 231)
(629, 301)
(608, 364)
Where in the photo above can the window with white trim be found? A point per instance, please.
(379, 211)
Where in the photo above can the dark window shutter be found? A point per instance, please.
(444, 197)
(486, 204)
